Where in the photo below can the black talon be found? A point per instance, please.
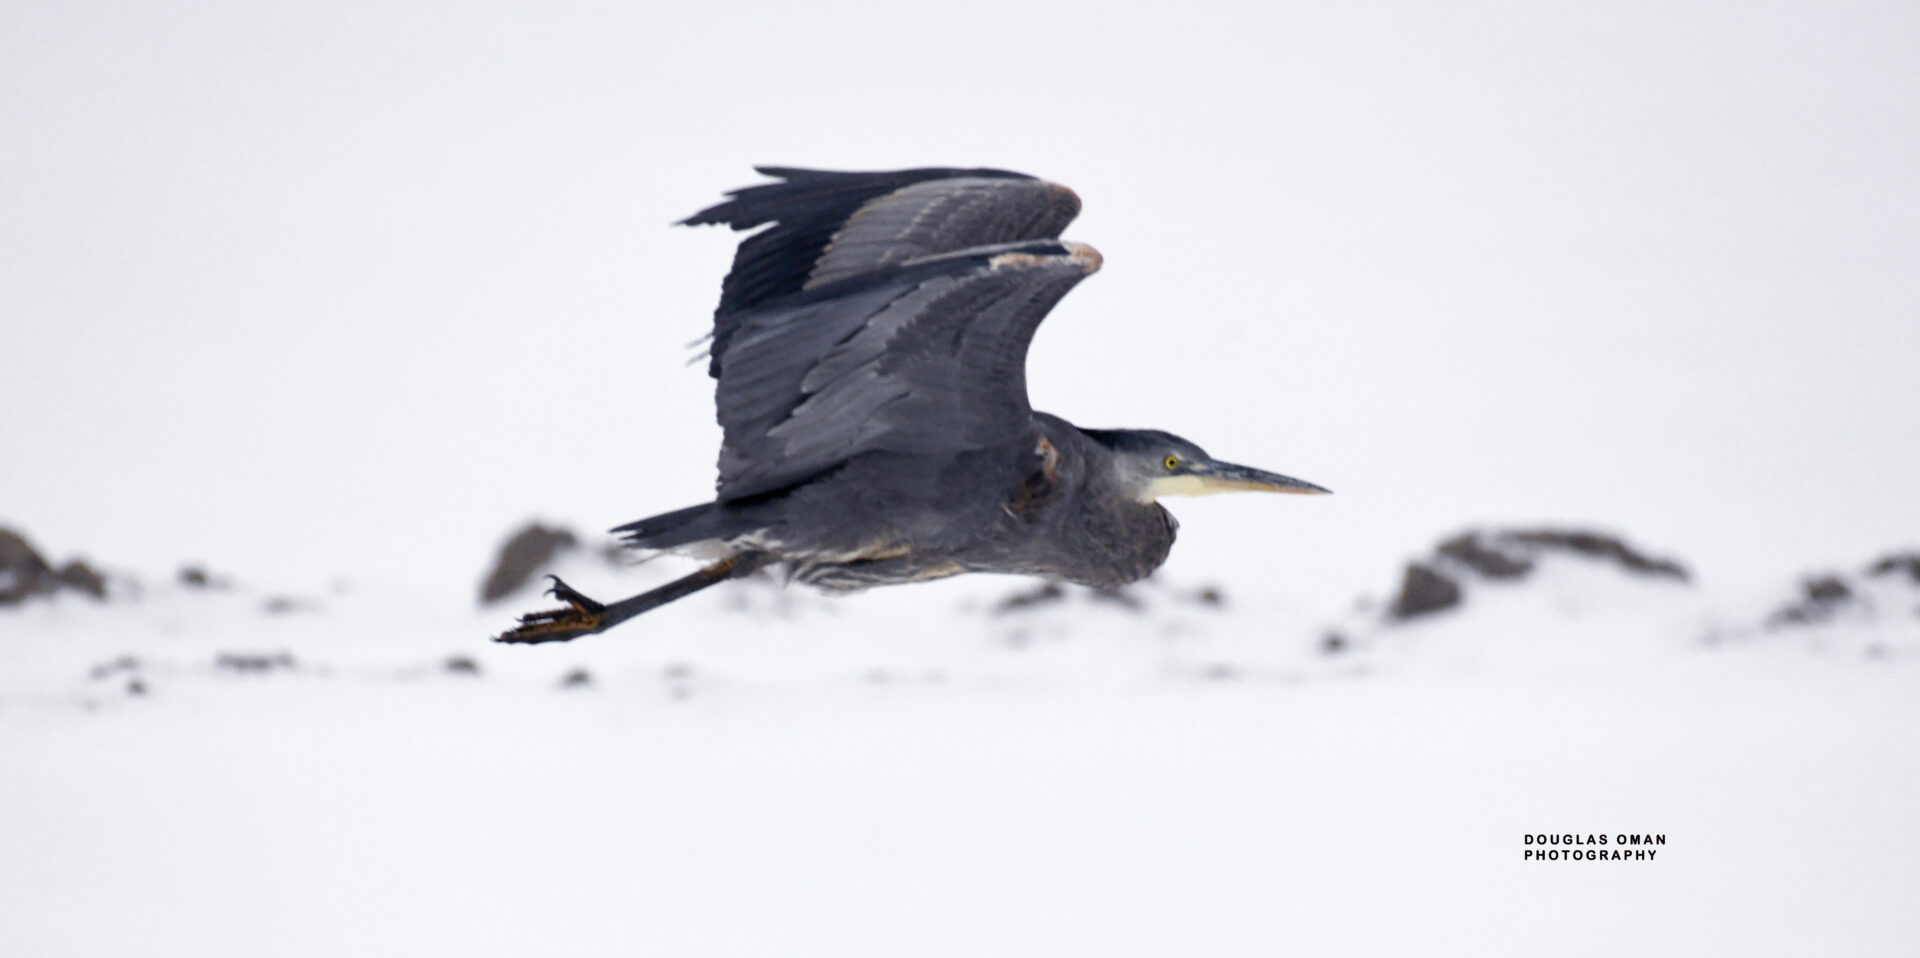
(574, 597)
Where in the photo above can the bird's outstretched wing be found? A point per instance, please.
(829, 225)
(889, 312)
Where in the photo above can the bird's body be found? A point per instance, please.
(1044, 506)
(870, 352)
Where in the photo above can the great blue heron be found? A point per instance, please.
(870, 347)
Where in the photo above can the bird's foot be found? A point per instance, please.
(582, 616)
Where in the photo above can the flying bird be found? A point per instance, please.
(870, 353)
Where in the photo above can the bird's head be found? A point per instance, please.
(1154, 464)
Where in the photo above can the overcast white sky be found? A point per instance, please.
(352, 288)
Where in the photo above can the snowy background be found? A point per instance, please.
(329, 300)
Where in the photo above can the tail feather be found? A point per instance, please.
(702, 523)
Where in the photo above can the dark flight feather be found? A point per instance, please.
(828, 226)
(927, 357)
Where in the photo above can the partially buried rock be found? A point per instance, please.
(526, 552)
(1053, 593)
(24, 573)
(1119, 595)
(1425, 589)
(1486, 558)
(197, 577)
(1047, 593)
(460, 665)
(1889, 586)
(79, 576)
(1821, 597)
(1437, 582)
(1898, 563)
(1599, 545)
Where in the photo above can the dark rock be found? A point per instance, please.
(24, 573)
(1601, 546)
(577, 679)
(197, 577)
(1333, 643)
(524, 553)
(1827, 589)
(80, 576)
(1908, 562)
(1821, 597)
(1424, 590)
(1489, 561)
(460, 665)
(1046, 594)
(1509, 554)
(1212, 596)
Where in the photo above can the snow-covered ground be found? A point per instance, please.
(929, 771)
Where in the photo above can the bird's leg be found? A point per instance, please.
(584, 616)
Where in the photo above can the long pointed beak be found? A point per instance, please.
(1227, 477)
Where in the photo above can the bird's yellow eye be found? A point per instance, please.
(1173, 462)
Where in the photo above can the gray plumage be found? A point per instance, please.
(870, 355)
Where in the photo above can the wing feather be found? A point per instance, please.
(827, 227)
(929, 357)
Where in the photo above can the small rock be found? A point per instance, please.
(78, 575)
(577, 679)
(460, 665)
(1423, 591)
(25, 573)
(1908, 562)
(1821, 597)
(1047, 594)
(197, 577)
(1120, 596)
(1827, 589)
